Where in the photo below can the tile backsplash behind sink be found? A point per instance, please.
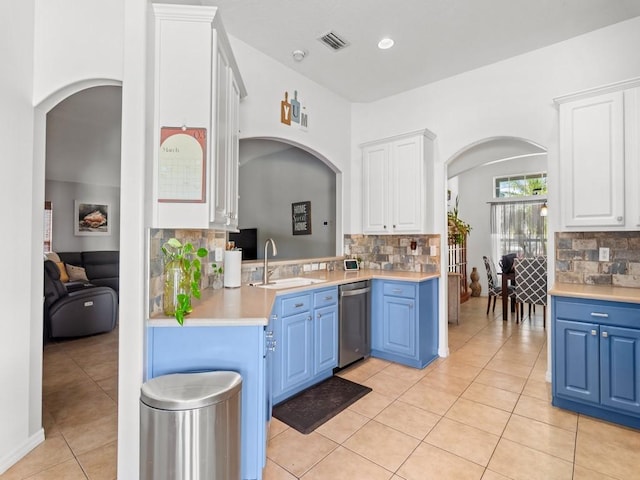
(577, 258)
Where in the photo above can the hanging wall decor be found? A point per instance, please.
(301, 218)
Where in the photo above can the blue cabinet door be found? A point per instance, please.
(325, 338)
(399, 326)
(295, 351)
(620, 368)
(577, 360)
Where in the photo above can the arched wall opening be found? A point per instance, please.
(276, 172)
(470, 175)
(37, 268)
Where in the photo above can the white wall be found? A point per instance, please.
(270, 184)
(475, 189)
(20, 377)
(76, 40)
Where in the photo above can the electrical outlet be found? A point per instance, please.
(217, 256)
(603, 254)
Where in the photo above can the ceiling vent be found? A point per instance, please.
(333, 41)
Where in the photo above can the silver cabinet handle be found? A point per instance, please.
(319, 315)
(594, 333)
(298, 305)
(619, 219)
(600, 315)
(309, 318)
(397, 290)
(328, 298)
(605, 334)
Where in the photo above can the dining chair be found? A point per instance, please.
(531, 285)
(494, 286)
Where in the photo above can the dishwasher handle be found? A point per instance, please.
(350, 293)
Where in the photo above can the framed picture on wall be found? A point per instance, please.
(91, 218)
(301, 218)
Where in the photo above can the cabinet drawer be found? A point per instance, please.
(325, 297)
(598, 311)
(406, 290)
(297, 304)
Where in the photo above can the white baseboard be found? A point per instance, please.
(30, 443)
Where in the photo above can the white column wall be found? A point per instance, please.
(21, 366)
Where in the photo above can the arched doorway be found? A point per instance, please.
(470, 175)
(41, 124)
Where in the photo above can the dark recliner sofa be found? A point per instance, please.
(102, 267)
(86, 311)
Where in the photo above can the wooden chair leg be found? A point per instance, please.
(544, 316)
(494, 304)
(488, 304)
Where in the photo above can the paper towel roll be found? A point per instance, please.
(232, 268)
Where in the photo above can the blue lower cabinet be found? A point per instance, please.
(325, 333)
(404, 323)
(239, 349)
(306, 335)
(620, 368)
(596, 358)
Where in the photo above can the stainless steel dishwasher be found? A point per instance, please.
(354, 322)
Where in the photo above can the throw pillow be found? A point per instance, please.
(77, 274)
(64, 276)
(53, 256)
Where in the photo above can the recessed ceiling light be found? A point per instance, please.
(385, 43)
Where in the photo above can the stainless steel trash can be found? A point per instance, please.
(190, 426)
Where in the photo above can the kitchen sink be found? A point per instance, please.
(289, 283)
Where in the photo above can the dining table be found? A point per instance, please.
(506, 278)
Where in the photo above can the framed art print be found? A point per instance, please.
(91, 218)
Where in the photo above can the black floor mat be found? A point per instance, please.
(312, 407)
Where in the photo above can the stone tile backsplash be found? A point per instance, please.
(393, 252)
(385, 252)
(577, 255)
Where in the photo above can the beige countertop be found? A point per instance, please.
(596, 292)
(249, 305)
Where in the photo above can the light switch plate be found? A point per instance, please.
(218, 254)
(603, 254)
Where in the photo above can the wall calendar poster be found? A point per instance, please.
(301, 218)
(182, 164)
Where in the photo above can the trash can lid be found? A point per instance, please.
(185, 391)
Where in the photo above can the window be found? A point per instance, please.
(48, 227)
(521, 185)
(516, 223)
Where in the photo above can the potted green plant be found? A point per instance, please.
(182, 270)
(458, 229)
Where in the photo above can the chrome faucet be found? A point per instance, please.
(267, 273)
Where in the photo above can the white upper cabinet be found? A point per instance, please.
(224, 213)
(599, 171)
(194, 94)
(396, 182)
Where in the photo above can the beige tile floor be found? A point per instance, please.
(79, 397)
(481, 413)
